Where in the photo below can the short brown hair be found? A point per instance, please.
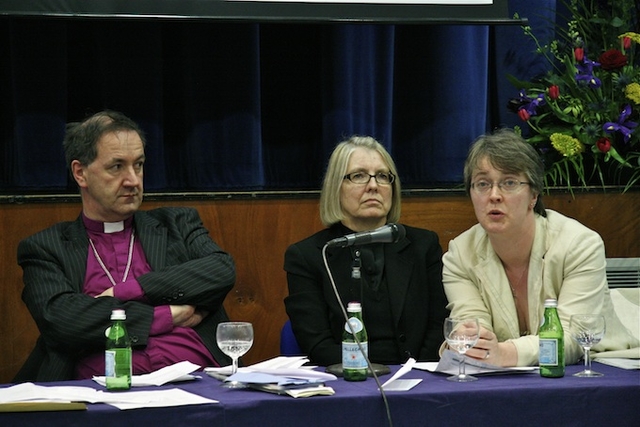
(81, 138)
(510, 153)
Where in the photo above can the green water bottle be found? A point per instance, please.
(551, 335)
(117, 355)
(354, 363)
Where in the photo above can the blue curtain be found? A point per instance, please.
(244, 106)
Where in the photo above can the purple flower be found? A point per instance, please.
(622, 126)
(530, 105)
(585, 73)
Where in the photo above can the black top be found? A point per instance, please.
(400, 289)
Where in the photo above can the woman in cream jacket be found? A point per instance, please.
(519, 254)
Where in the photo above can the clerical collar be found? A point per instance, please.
(106, 227)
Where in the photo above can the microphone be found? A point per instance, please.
(389, 233)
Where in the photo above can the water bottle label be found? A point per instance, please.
(109, 363)
(356, 324)
(548, 352)
(352, 357)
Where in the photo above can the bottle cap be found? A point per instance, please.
(354, 306)
(118, 314)
(550, 302)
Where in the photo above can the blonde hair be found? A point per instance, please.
(330, 208)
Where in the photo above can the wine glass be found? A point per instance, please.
(234, 339)
(587, 330)
(461, 335)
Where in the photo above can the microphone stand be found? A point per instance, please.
(356, 272)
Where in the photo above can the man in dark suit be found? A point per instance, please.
(161, 266)
(398, 284)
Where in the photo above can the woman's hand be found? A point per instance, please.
(489, 350)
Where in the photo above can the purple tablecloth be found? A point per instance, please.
(499, 400)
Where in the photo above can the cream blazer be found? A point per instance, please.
(567, 263)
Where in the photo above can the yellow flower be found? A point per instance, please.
(633, 36)
(566, 145)
(632, 91)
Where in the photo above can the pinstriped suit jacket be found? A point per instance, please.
(188, 267)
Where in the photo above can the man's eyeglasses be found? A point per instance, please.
(382, 178)
(506, 186)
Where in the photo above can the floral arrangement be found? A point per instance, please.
(583, 115)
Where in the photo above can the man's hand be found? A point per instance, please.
(187, 315)
(107, 293)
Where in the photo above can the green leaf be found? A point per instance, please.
(614, 153)
(520, 84)
(617, 22)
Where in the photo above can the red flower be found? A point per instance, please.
(603, 144)
(612, 60)
(626, 43)
(554, 91)
(524, 114)
(578, 53)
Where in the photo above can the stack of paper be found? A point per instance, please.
(281, 375)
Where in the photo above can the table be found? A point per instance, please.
(498, 400)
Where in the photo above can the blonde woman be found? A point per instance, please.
(401, 284)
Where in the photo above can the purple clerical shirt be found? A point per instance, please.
(167, 344)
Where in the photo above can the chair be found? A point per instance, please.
(623, 277)
(288, 343)
(626, 303)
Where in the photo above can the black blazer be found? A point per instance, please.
(413, 269)
(187, 266)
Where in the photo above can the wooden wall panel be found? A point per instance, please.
(18, 331)
(257, 232)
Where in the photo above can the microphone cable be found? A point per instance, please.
(353, 332)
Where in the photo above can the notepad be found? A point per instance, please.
(293, 390)
(42, 406)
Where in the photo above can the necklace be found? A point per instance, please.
(104, 268)
(520, 305)
(518, 283)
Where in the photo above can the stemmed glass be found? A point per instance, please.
(587, 330)
(234, 339)
(461, 335)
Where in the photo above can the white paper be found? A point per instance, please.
(177, 372)
(402, 371)
(311, 391)
(619, 362)
(262, 378)
(426, 366)
(283, 366)
(29, 392)
(402, 385)
(281, 362)
(449, 364)
(156, 399)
